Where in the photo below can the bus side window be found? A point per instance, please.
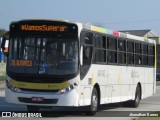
(112, 50)
(87, 54)
(86, 40)
(138, 53)
(130, 52)
(122, 51)
(151, 52)
(145, 54)
(100, 48)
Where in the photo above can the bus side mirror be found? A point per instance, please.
(81, 56)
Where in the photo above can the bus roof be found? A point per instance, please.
(97, 29)
(116, 33)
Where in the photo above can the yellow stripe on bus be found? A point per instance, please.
(43, 86)
(155, 59)
(148, 78)
(119, 78)
(93, 78)
(98, 29)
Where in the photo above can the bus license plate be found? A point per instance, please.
(37, 99)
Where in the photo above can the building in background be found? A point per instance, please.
(141, 33)
(148, 34)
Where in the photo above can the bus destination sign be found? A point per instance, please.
(44, 28)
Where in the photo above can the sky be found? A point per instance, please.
(111, 14)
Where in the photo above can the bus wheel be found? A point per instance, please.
(136, 101)
(33, 108)
(94, 103)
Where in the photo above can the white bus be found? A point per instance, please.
(60, 63)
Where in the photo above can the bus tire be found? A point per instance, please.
(94, 103)
(33, 108)
(136, 101)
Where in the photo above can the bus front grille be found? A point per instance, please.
(45, 101)
(34, 90)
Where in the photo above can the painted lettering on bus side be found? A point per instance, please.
(134, 74)
(101, 73)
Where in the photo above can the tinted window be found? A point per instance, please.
(151, 60)
(138, 48)
(112, 57)
(100, 41)
(151, 50)
(138, 59)
(100, 55)
(130, 46)
(87, 43)
(130, 59)
(122, 45)
(145, 60)
(145, 49)
(112, 43)
(86, 38)
(122, 57)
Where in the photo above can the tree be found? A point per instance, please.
(2, 32)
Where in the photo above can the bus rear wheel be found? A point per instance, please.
(136, 101)
(31, 108)
(94, 103)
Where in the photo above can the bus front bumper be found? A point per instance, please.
(67, 99)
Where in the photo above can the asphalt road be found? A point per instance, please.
(115, 111)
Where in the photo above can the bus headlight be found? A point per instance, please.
(11, 87)
(69, 88)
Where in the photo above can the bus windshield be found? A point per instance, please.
(43, 56)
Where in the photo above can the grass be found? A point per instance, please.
(151, 118)
(148, 118)
(2, 71)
